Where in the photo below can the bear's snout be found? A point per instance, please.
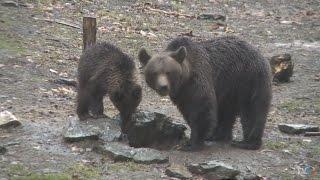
(163, 87)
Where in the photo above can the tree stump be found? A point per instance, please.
(282, 67)
(89, 31)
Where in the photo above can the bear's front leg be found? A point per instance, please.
(202, 120)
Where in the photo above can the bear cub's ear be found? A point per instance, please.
(180, 54)
(143, 56)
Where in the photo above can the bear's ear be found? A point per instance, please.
(143, 56)
(180, 54)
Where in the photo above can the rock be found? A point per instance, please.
(65, 81)
(10, 4)
(297, 128)
(103, 128)
(154, 129)
(178, 171)
(282, 67)
(122, 152)
(213, 17)
(214, 170)
(118, 151)
(7, 119)
(3, 150)
(149, 156)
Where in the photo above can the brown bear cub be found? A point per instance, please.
(212, 82)
(105, 69)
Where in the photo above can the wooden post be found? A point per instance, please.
(89, 31)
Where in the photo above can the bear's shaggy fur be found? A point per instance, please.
(105, 69)
(212, 82)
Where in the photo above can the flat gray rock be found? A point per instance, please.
(149, 156)
(178, 171)
(297, 128)
(118, 151)
(122, 152)
(7, 120)
(214, 170)
(104, 128)
(152, 129)
(10, 4)
(65, 81)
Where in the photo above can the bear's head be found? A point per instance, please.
(164, 72)
(126, 100)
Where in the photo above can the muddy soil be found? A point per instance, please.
(41, 41)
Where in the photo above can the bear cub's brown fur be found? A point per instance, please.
(105, 69)
(212, 82)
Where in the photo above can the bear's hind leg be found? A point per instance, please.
(253, 119)
(226, 120)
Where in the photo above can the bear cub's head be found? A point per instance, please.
(164, 72)
(127, 98)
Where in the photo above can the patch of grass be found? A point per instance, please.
(316, 150)
(316, 105)
(11, 44)
(18, 170)
(54, 176)
(276, 145)
(286, 176)
(291, 106)
(127, 166)
(84, 172)
(298, 105)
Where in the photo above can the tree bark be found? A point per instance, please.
(89, 31)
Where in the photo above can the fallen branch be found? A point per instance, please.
(312, 134)
(60, 22)
(170, 13)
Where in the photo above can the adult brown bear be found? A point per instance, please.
(105, 69)
(212, 82)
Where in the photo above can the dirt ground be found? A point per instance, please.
(35, 50)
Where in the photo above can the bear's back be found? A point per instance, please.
(238, 67)
(104, 57)
(231, 65)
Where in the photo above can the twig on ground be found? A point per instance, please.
(170, 13)
(58, 21)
